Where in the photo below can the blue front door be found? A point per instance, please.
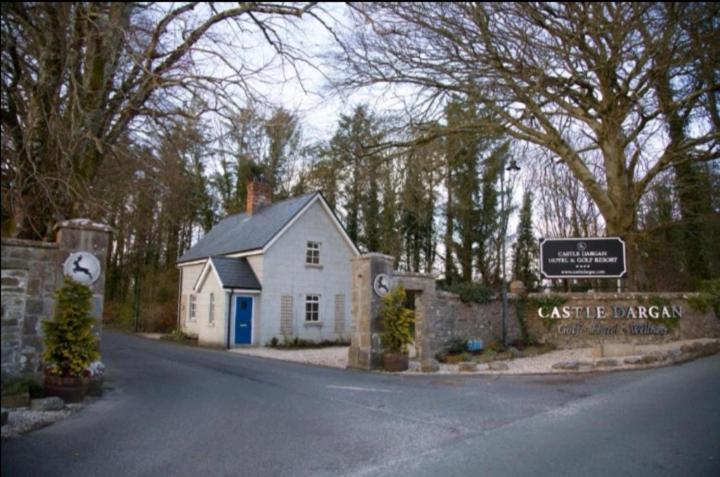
(243, 320)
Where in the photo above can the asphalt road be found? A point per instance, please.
(181, 411)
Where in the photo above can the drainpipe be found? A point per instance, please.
(229, 302)
(179, 302)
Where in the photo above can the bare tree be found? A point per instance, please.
(78, 76)
(576, 79)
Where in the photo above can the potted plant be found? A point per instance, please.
(70, 345)
(396, 336)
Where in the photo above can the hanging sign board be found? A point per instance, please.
(589, 257)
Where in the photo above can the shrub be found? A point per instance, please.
(299, 343)
(160, 317)
(70, 345)
(469, 292)
(397, 321)
(456, 346)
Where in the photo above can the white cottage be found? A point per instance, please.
(278, 270)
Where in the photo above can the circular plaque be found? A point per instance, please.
(381, 285)
(83, 267)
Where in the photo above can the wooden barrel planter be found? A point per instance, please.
(395, 362)
(70, 389)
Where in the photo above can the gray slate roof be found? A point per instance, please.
(236, 273)
(243, 232)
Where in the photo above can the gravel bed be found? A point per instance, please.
(542, 364)
(337, 356)
(23, 420)
(332, 356)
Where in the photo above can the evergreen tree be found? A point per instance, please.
(462, 161)
(283, 134)
(70, 345)
(352, 147)
(526, 248)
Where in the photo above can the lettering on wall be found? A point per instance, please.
(607, 320)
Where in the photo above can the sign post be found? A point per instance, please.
(590, 257)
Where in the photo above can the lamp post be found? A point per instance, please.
(503, 284)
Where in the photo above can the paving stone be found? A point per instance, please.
(606, 363)
(633, 360)
(467, 367)
(567, 365)
(498, 366)
(429, 365)
(47, 404)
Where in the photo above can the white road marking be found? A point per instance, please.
(357, 388)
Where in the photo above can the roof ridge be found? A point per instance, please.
(272, 204)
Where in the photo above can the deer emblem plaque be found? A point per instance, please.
(83, 267)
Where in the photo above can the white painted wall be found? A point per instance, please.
(285, 272)
(189, 275)
(211, 333)
(256, 263)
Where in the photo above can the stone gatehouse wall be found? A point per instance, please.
(589, 319)
(31, 272)
(441, 317)
(29, 280)
(450, 319)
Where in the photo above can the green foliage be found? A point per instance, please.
(526, 247)
(11, 387)
(709, 297)
(396, 321)
(70, 345)
(299, 343)
(546, 304)
(468, 292)
(520, 310)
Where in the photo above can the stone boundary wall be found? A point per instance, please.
(31, 272)
(441, 317)
(29, 280)
(575, 320)
(450, 319)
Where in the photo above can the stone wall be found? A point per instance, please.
(31, 272)
(29, 279)
(450, 319)
(365, 346)
(574, 320)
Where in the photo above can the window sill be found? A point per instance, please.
(313, 323)
(314, 265)
(211, 325)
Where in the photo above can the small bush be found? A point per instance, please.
(397, 321)
(299, 343)
(469, 292)
(456, 358)
(456, 346)
(20, 386)
(159, 318)
(70, 345)
(709, 297)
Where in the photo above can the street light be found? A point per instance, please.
(503, 288)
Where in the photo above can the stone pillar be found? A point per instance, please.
(365, 346)
(83, 235)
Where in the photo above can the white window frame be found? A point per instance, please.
(192, 307)
(211, 310)
(312, 253)
(312, 301)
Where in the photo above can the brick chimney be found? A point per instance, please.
(258, 196)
